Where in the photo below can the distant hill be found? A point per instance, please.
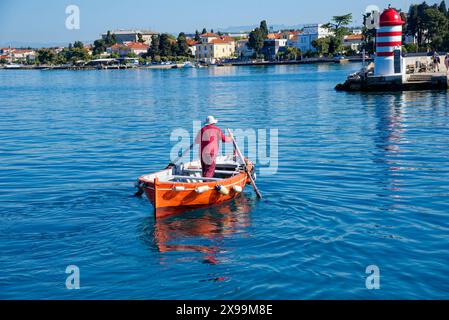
(31, 44)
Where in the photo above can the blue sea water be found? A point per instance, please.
(363, 179)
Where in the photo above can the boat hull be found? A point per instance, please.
(170, 198)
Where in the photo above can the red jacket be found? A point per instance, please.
(209, 137)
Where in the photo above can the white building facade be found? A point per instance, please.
(243, 50)
(304, 40)
(123, 36)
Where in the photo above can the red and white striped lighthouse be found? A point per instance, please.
(388, 40)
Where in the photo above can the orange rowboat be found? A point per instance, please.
(181, 188)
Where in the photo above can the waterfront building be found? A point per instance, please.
(17, 55)
(240, 35)
(58, 50)
(213, 48)
(89, 48)
(303, 41)
(272, 47)
(208, 37)
(7, 51)
(244, 52)
(23, 54)
(127, 48)
(353, 41)
(192, 46)
(356, 31)
(123, 36)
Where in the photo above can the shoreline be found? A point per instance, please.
(180, 66)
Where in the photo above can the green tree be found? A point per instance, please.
(415, 22)
(368, 37)
(256, 40)
(290, 54)
(153, 51)
(321, 45)
(182, 46)
(110, 39)
(429, 25)
(338, 26)
(140, 38)
(73, 53)
(45, 56)
(78, 45)
(436, 24)
(197, 36)
(165, 45)
(264, 28)
(131, 55)
(204, 31)
(99, 47)
(443, 8)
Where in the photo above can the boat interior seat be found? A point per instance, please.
(198, 171)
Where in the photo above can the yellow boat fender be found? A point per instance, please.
(223, 190)
(179, 188)
(237, 189)
(202, 189)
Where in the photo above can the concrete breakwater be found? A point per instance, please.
(422, 81)
(418, 73)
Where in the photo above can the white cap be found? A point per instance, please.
(211, 120)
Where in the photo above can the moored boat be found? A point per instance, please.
(180, 188)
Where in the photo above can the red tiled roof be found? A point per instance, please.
(273, 36)
(227, 38)
(117, 46)
(354, 37)
(137, 45)
(191, 42)
(209, 35)
(23, 51)
(130, 45)
(219, 41)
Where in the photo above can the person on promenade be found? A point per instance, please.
(446, 62)
(208, 138)
(436, 62)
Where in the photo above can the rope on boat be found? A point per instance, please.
(140, 185)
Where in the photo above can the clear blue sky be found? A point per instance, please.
(44, 20)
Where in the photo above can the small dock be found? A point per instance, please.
(417, 72)
(364, 81)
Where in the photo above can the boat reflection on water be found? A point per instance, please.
(200, 231)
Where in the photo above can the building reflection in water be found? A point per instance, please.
(201, 231)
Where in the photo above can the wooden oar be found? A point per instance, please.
(140, 190)
(239, 153)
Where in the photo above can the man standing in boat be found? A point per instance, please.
(209, 138)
